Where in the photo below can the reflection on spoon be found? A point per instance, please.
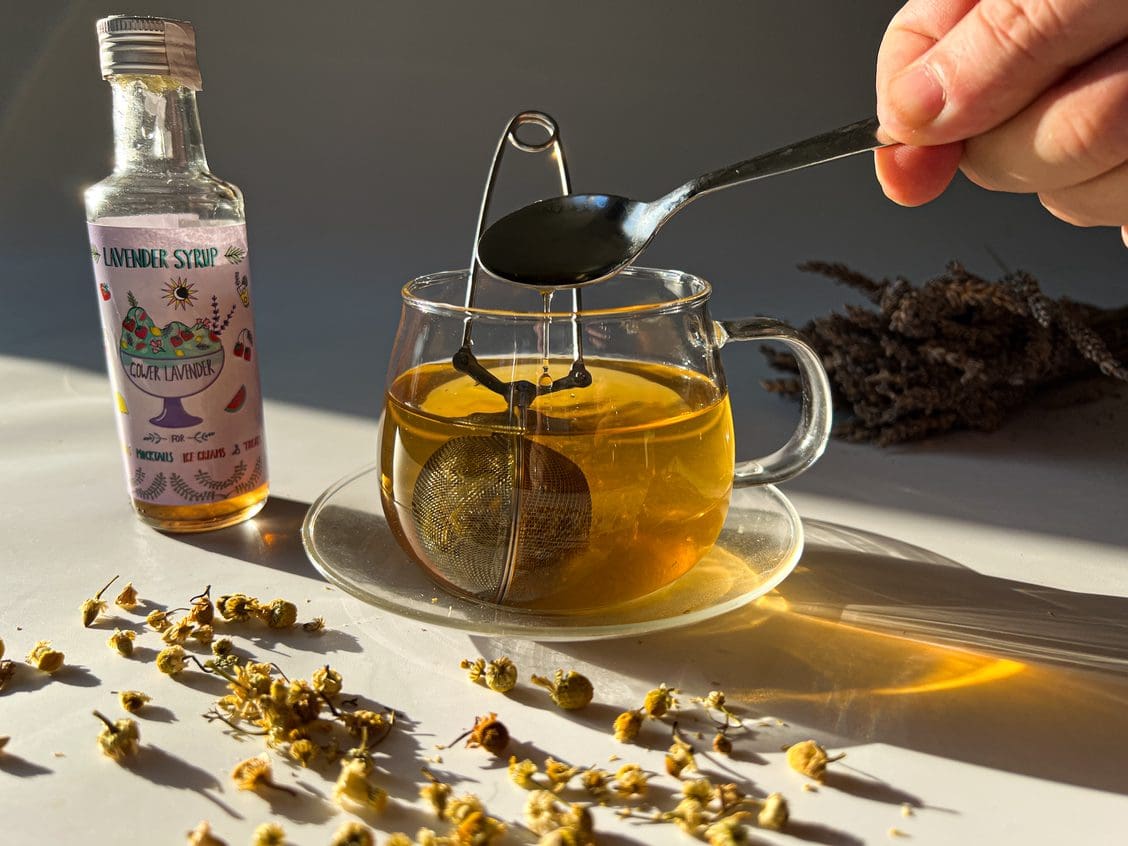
(579, 239)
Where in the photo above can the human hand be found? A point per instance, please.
(1027, 96)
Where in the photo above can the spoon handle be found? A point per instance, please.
(844, 141)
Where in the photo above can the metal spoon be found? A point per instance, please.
(579, 239)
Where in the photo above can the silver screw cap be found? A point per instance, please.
(140, 44)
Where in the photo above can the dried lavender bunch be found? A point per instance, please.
(959, 352)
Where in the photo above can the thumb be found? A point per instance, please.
(995, 60)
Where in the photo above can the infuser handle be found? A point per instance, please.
(810, 437)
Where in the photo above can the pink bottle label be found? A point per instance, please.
(180, 347)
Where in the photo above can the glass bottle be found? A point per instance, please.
(169, 246)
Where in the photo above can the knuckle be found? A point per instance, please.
(1023, 27)
(1066, 209)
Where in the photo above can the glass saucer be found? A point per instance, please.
(347, 538)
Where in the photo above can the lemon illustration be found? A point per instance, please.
(121, 403)
(156, 331)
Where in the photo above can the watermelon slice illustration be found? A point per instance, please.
(237, 400)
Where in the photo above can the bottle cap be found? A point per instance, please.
(140, 44)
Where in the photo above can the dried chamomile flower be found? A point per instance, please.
(133, 700)
(7, 670)
(304, 751)
(279, 614)
(222, 647)
(398, 838)
(478, 828)
(728, 831)
(569, 691)
(326, 681)
(237, 607)
(501, 675)
(353, 833)
(627, 726)
(810, 759)
(728, 796)
(474, 669)
(375, 723)
(689, 815)
(679, 756)
(317, 624)
(463, 807)
(122, 642)
(489, 734)
(596, 782)
(436, 794)
(202, 835)
(178, 632)
(521, 773)
(558, 773)
(660, 700)
(204, 633)
(700, 789)
(353, 787)
(269, 834)
(44, 658)
(202, 610)
(542, 812)
(94, 606)
(158, 620)
(118, 739)
(171, 660)
(774, 813)
(127, 599)
(254, 773)
(722, 745)
(630, 781)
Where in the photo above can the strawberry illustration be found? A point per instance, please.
(142, 331)
(105, 289)
(143, 316)
(186, 334)
(176, 340)
(213, 336)
(140, 345)
(128, 324)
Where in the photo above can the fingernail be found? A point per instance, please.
(916, 96)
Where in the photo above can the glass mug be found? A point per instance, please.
(567, 459)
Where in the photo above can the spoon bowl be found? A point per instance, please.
(579, 239)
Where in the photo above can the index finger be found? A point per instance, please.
(992, 61)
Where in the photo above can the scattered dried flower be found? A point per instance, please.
(679, 756)
(269, 834)
(202, 835)
(660, 700)
(178, 632)
(353, 833)
(222, 647)
(689, 815)
(118, 739)
(907, 810)
(133, 700)
(501, 675)
(279, 614)
(44, 658)
(171, 660)
(630, 781)
(326, 681)
(314, 626)
(700, 789)
(304, 751)
(728, 796)
(521, 773)
(202, 612)
(204, 633)
(237, 607)
(596, 782)
(722, 745)
(810, 759)
(728, 831)
(896, 832)
(7, 670)
(158, 620)
(122, 642)
(489, 734)
(474, 669)
(542, 812)
(375, 723)
(127, 599)
(436, 794)
(354, 787)
(558, 773)
(774, 813)
(94, 606)
(398, 838)
(254, 773)
(627, 726)
(570, 691)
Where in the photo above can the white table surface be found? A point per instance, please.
(1014, 542)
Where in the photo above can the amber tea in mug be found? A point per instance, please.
(593, 494)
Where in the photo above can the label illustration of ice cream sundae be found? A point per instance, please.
(179, 341)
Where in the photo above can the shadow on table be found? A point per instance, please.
(872, 640)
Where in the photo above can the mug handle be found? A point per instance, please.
(810, 437)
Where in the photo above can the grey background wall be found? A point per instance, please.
(361, 133)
